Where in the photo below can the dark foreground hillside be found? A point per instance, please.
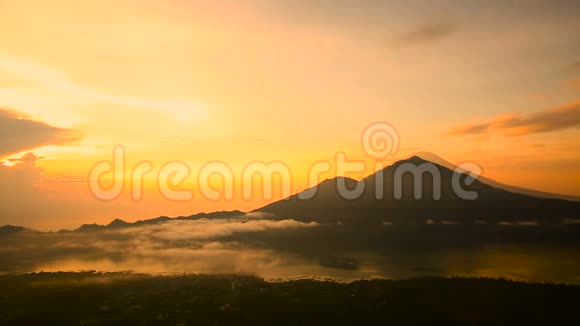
(127, 299)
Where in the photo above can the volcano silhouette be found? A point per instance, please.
(400, 203)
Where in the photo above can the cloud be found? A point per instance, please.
(258, 215)
(57, 80)
(205, 229)
(200, 246)
(554, 119)
(471, 129)
(427, 33)
(19, 134)
(17, 189)
(31, 199)
(574, 84)
(22, 172)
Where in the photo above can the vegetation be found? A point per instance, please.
(90, 298)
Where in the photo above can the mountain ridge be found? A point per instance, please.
(119, 223)
(434, 158)
(341, 207)
(401, 202)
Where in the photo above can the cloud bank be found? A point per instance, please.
(19, 134)
(554, 119)
(194, 246)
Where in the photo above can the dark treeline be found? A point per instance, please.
(131, 299)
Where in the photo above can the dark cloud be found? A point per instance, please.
(428, 33)
(554, 119)
(18, 134)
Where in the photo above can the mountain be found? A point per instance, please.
(11, 229)
(118, 223)
(534, 193)
(493, 204)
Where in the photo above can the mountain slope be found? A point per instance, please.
(118, 223)
(492, 204)
(519, 190)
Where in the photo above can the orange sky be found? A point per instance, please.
(493, 82)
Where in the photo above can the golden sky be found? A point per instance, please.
(493, 82)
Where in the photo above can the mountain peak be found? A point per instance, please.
(118, 223)
(11, 229)
(415, 159)
(335, 179)
(398, 200)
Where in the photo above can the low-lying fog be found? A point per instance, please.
(289, 249)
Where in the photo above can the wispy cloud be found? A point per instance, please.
(427, 33)
(574, 84)
(205, 229)
(56, 80)
(18, 134)
(554, 119)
